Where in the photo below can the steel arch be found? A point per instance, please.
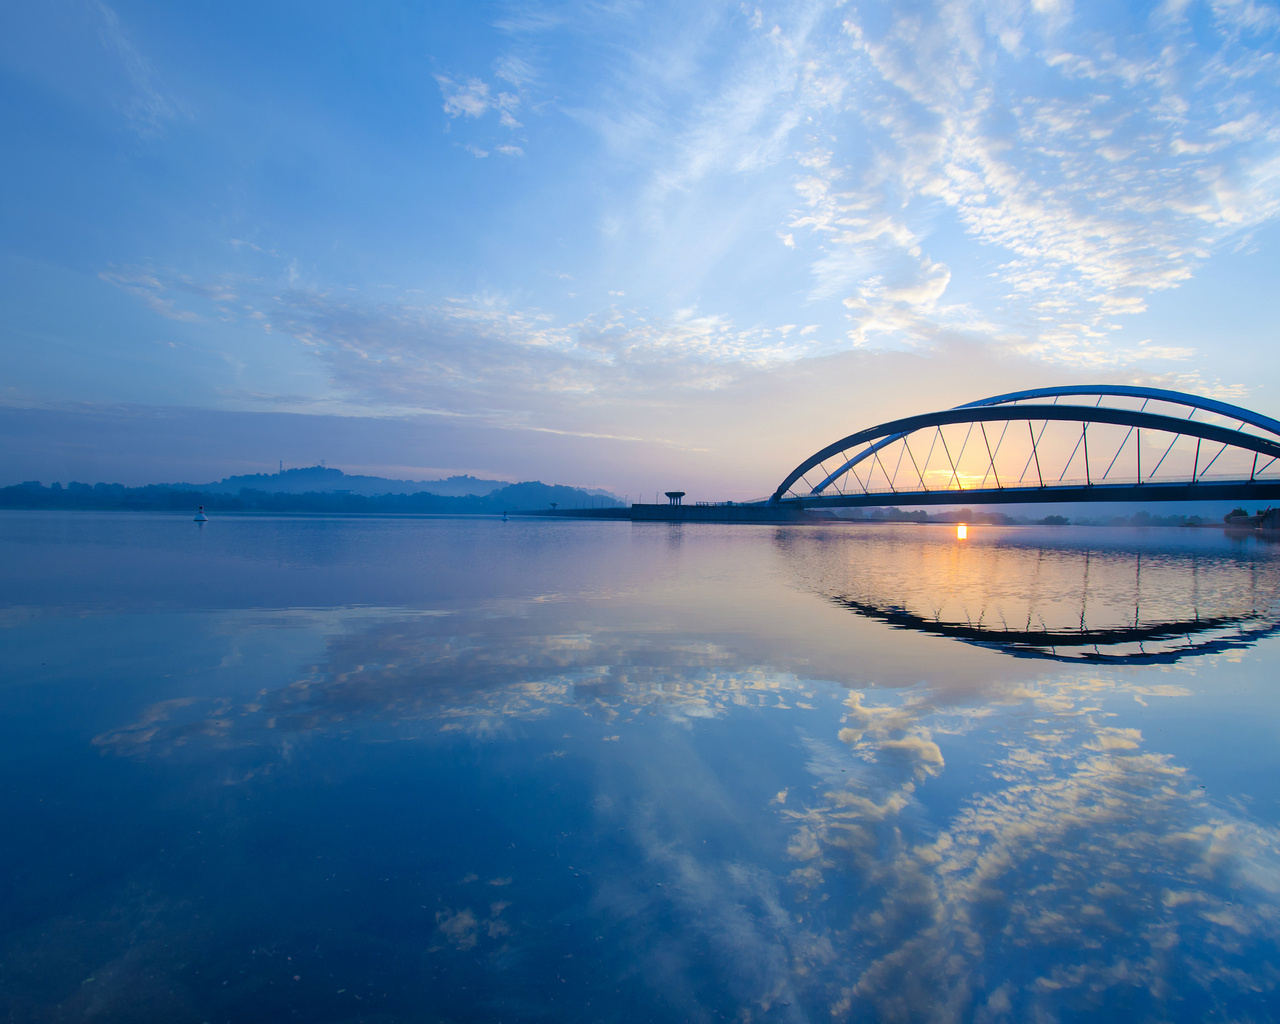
(1005, 408)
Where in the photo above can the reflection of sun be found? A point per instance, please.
(962, 531)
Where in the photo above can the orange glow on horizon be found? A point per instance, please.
(962, 531)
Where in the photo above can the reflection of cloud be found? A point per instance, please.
(1071, 864)
(735, 909)
(890, 730)
(458, 928)
(434, 669)
(1094, 871)
(462, 930)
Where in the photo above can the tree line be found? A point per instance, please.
(163, 498)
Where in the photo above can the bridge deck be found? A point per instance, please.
(1237, 490)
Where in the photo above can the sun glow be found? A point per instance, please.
(962, 531)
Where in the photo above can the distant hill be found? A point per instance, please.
(321, 480)
(219, 497)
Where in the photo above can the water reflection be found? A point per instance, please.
(1122, 604)
(1147, 643)
(1086, 871)
(470, 671)
(1080, 882)
(639, 803)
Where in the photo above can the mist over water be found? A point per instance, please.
(465, 770)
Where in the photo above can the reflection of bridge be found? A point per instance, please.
(1136, 644)
(1049, 444)
(1038, 595)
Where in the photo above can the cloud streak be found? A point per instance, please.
(1092, 165)
(148, 108)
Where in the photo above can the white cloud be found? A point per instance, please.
(1091, 168)
(474, 98)
(401, 352)
(928, 119)
(148, 287)
(471, 99)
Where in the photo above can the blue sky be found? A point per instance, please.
(629, 245)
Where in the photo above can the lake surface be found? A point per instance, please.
(273, 769)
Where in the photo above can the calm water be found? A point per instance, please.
(446, 770)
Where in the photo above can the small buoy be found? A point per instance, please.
(200, 516)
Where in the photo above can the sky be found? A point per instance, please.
(613, 244)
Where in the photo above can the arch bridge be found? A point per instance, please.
(1080, 443)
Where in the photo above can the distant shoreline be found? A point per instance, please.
(623, 517)
(165, 498)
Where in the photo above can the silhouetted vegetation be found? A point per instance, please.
(328, 479)
(893, 514)
(1145, 518)
(165, 498)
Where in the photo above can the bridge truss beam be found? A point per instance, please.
(1239, 491)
